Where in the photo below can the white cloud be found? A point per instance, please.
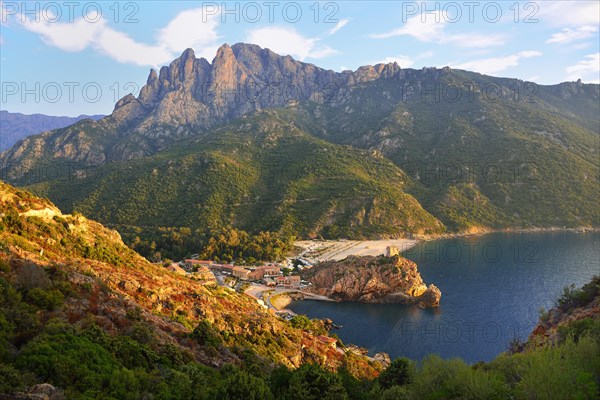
(124, 49)
(187, 30)
(569, 12)
(529, 54)
(184, 31)
(581, 46)
(342, 23)
(75, 36)
(491, 66)
(322, 51)
(282, 40)
(285, 40)
(474, 40)
(568, 35)
(426, 29)
(403, 61)
(430, 28)
(587, 69)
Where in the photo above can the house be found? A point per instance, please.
(331, 342)
(288, 281)
(216, 267)
(270, 282)
(240, 272)
(227, 269)
(265, 272)
(191, 263)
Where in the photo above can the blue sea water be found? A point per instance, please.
(493, 287)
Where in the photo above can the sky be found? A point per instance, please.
(80, 57)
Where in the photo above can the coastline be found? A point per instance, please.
(339, 249)
(281, 301)
(485, 231)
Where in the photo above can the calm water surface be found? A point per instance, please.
(492, 289)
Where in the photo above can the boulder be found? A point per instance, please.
(383, 359)
(431, 297)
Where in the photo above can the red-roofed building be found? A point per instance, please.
(240, 272)
(328, 341)
(288, 281)
(227, 268)
(265, 272)
(197, 263)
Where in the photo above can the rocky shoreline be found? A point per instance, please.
(372, 280)
(486, 231)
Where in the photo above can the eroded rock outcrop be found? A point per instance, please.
(574, 309)
(372, 280)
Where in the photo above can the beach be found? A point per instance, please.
(324, 250)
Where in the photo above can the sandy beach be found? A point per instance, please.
(324, 250)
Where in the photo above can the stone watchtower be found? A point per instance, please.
(391, 251)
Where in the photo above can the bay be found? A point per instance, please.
(493, 287)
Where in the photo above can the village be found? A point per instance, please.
(274, 284)
(270, 275)
(264, 283)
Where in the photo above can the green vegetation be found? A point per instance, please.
(86, 362)
(63, 322)
(312, 325)
(414, 152)
(224, 245)
(479, 162)
(260, 175)
(573, 297)
(401, 372)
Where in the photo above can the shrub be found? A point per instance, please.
(11, 380)
(577, 329)
(311, 382)
(204, 333)
(47, 299)
(400, 372)
(242, 385)
(453, 379)
(564, 372)
(301, 322)
(4, 266)
(67, 360)
(573, 297)
(515, 345)
(396, 393)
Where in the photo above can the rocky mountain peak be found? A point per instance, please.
(223, 53)
(242, 78)
(152, 76)
(188, 54)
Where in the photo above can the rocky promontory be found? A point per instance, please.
(372, 280)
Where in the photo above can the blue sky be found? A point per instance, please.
(69, 58)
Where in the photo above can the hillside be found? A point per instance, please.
(71, 289)
(257, 141)
(480, 161)
(83, 316)
(262, 173)
(17, 126)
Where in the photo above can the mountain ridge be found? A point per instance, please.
(535, 136)
(16, 126)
